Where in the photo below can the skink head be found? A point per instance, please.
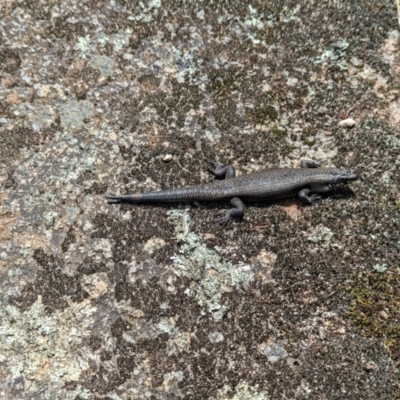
(344, 176)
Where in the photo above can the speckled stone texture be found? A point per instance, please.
(104, 301)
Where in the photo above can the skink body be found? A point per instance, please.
(269, 184)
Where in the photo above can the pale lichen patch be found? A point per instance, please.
(44, 348)
(96, 285)
(207, 267)
(243, 391)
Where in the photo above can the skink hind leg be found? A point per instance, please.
(310, 164)
(220, 171)
(237, 211)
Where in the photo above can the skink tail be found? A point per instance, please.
(132, 198)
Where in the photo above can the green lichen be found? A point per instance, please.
(72, 214)
(83, 44)
(323, 237)
(205, 266)
(121, 40)
(175, 335)
(49, 218)
(380, 267)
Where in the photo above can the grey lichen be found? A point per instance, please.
(103, 63)
(73, 113)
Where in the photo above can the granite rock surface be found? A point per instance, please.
(103, 301)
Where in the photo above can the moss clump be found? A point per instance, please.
(279, 133)
(223, 80)
(375, 308)
(262, 114)
(310, 143)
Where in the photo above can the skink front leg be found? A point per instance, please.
(220, 171)
(304, 196)
(310, 164)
